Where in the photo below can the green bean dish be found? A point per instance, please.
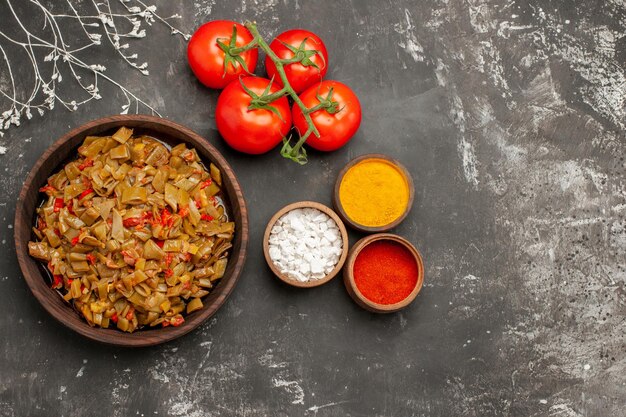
(134, 234)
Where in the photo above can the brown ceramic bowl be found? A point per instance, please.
(50, 162)
(360, 227)
(344, 237)
(353, 290)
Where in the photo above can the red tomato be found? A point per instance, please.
(255, 130)
(206, 57)
(299, 76)
(335, 129)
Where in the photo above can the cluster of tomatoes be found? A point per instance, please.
(253, 114)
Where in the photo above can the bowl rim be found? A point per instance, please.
(344, 250)
(355, 293)
(64, 313)
(373, 229)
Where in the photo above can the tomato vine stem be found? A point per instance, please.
(241, 49)
(296, 153)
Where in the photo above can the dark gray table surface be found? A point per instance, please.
(510, 116)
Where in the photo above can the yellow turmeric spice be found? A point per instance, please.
(374, 193)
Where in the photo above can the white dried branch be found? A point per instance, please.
(59, 57)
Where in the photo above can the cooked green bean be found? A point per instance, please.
(133, 233)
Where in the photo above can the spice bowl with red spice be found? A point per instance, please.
(383, 273)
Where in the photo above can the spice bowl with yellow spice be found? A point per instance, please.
(373, 193)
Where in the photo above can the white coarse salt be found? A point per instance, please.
(305, 244)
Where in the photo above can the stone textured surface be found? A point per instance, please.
(510, 116)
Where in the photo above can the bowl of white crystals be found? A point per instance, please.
(305, 244)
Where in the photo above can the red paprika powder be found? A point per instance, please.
(385, 272)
